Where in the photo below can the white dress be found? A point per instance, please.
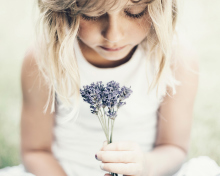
(76, 142)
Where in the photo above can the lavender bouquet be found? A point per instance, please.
(105, 102)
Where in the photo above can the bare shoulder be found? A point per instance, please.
(36, 126)
(184, 55)
(186, 67)
(175, 112)
(31, 78)
(185, 64)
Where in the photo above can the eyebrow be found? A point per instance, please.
(142, 1)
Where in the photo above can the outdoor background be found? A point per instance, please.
(199, 21)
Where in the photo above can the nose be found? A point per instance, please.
(112, 29)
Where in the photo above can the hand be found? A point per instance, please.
(125, 158)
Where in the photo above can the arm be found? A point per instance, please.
(36, 127)
(173, 133)
(175, 118)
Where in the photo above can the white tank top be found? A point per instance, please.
(76, 142)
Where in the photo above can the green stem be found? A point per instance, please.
(103, 115)
(112, 128)
(103, 129)
(103, 122)
(108, 127)
(111, 131)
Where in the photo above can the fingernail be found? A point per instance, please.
(96, 157)
(102, 166)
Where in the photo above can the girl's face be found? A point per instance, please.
(112, 36)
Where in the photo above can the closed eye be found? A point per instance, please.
(128, 14)
(139, 15)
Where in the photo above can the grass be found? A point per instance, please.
(199, 22)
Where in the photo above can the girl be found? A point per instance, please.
(129, 41)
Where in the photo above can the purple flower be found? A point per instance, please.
(92, 94)
(112, 114)
(107, 97)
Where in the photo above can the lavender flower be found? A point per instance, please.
(105, 102)
(110, 98)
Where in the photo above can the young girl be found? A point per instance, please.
(131, 42)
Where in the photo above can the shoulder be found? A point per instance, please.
(185, 62)
(29, 65)
(34, 87)
(184, 54)
(29, 69)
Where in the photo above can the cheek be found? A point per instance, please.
(145, 24)
(87, 30)
(140, 28)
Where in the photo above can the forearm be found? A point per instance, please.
(42, 163)
(164, 160)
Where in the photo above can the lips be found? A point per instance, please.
(112, 48)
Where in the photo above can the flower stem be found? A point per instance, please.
(112, 129)
(103, 113)
(104, 121)
(111, 133)
(103, 128)
(108, 128)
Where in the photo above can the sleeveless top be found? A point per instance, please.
(76, 142)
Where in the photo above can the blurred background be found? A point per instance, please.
(199, 20)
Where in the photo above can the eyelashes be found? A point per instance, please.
(87, 18)
(130, 15)
(139, 15)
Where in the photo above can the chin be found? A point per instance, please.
(114, 56)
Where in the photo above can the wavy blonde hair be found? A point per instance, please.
(58, 26)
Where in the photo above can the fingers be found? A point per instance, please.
(105, 143)
(117, 156)
(121, 146)
(120, 168)
(121, 157)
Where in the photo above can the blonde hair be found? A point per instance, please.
(58, 27)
